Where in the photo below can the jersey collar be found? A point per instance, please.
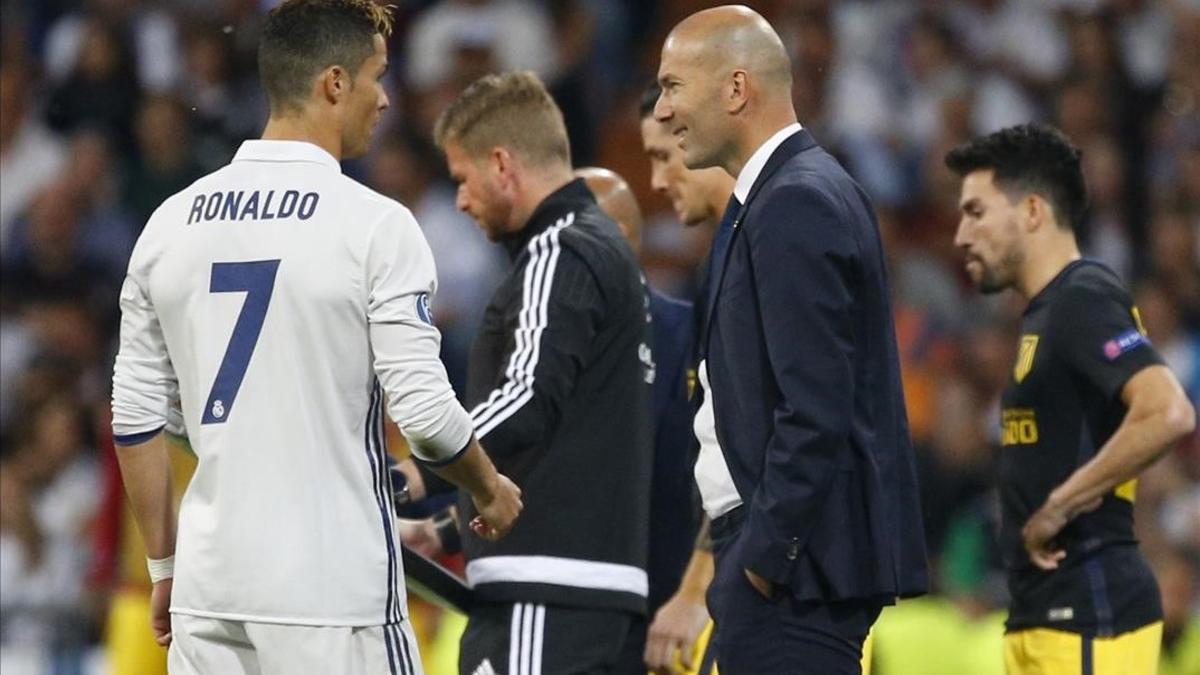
(285, 151)
(1038, 299)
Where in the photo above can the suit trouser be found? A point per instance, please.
(780, 634)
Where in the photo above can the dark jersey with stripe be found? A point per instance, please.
(1081, 341)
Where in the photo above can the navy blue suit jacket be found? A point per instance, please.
(672, 507)
(805, 376)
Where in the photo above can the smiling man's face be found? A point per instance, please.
(689, 104)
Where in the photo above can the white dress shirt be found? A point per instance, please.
(717, 492)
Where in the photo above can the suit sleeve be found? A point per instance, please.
(804, 264)
(561, 308)
(401, 279)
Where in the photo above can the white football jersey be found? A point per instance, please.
(285, 305)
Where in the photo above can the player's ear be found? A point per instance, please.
(501, 161)
(1034, 211)
(737, 91)
(335, 82)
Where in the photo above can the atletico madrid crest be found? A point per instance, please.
(1025, 357)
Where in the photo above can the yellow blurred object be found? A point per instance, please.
(697, 654)
(1183, 658)
(440, 654)
(130, 644)
(931, 636)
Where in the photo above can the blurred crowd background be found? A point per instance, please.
(109, 106)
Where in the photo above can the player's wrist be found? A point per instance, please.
(1060, 503)
(489, 486)
(161, 569)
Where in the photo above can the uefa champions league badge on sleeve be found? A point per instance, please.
(423, 310)
(1123, 343)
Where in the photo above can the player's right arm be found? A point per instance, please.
(1159, 414)
(144, 384)
(401, 280)
(1103, 341)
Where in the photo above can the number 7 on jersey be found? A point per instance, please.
(257, 280)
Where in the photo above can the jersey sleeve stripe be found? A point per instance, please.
(140, 437)
(503, 402)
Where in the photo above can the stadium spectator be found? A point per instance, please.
(30, 155)
(165, 161)
(48, 497)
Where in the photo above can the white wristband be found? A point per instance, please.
(163, 568)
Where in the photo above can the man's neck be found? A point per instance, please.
(756, 133)
(305, 128)
(1046, 264)
(537, 187)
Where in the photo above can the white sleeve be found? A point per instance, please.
(144, 382)
(401, 279)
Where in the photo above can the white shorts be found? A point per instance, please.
(203, 646)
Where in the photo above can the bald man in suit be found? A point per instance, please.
(808, 473)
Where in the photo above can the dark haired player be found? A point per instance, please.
(286, 307)
(1090, 405)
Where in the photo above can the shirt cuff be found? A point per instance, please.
(443, 439)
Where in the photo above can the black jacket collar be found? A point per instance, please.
(553, 207)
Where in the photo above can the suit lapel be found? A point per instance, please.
(794, 145)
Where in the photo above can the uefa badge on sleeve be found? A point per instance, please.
(423, 310)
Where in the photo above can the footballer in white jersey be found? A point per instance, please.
(254, 291)
(286, 308)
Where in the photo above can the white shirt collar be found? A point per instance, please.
(758, 160)
(285, 151)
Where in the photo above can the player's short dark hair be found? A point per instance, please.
(649, 100)
(1029, 158)
(304, 37)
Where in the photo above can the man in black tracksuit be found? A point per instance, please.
(558, 388)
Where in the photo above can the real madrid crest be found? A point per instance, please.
(1025, 356)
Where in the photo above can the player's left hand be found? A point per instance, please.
(160, 612)
(674, 630)
(760, 584)
(1041, 529)
(498, 513)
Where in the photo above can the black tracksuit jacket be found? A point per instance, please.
(559, 384)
